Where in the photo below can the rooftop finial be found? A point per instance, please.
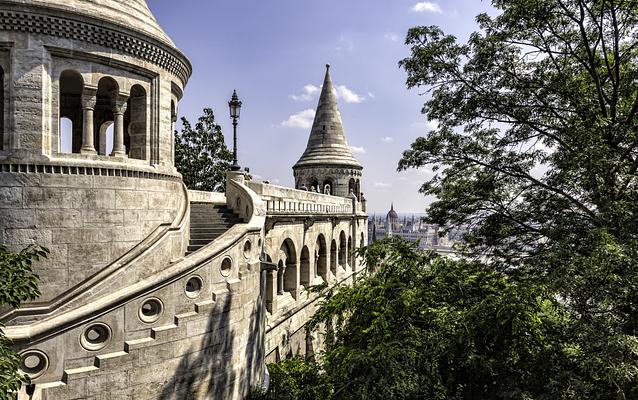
(327, 66)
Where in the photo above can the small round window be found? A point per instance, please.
(151, 310)
(95, 337)
(248, 246)
(34, 363)
(193, 286)
(227, 266)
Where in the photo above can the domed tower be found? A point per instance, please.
(392, 221)
(89, 96)
(328, 164)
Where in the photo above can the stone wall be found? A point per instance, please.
(86, 221)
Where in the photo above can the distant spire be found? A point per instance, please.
(327, 142)
(391, 206)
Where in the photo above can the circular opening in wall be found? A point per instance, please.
(151, 310)
(96, 336)
(33, 363)
(227, 265)
(248, 246)
(193, 286)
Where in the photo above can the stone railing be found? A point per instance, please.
(282, 200)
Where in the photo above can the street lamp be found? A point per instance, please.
(235, 107)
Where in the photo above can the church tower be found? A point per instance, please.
(328, 164)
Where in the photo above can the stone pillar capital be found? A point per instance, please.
(119, 103)
(89, 98)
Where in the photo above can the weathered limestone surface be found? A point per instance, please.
(135, 304)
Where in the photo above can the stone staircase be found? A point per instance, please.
(208, 222)
(172, 334)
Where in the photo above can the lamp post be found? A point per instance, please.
(235, 107)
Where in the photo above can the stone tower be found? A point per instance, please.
(86, 144)
(328, 161)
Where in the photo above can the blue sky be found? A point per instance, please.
(274, 53)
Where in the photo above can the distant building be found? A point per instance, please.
(412, 228)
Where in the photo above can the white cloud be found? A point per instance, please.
(387, 139)
(432, 125)
(427, 6)
(342, 92)
(309, 91)
(345, 44)
(302, 119)
(348, 95)
(357, 149)
(391, 36)
(382, 185)
(427, 125)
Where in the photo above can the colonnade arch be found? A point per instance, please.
(104, 119)
(290, 266)
(70, 102)
(301, 262)
(305, 274)
(342, 249)
(321, 256)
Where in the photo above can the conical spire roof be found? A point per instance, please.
(327, 144)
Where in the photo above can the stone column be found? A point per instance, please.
(280, 280)
(88, 105)
(119, 107)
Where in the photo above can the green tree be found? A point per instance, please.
(18, 283)
(536, 154)
(201, 155)
(426, 327)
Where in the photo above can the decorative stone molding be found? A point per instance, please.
(89, 98)
(85, 170)
(130, 42)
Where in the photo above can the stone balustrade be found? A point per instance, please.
(282, 200)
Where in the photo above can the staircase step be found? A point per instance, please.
(72, 373)
(137, 343)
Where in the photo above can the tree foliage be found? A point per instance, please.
(18, 283)
(536, 153)
(536, 157)
(201, 155)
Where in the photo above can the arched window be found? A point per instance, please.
(321, 256)
(107, 90)
(333, 257)
(135, 132)
(342, 249)
(65, 141)
(70, 108)
(305, 276)
(290, 272)
(352, 188)
(106, 132)
(327, 187)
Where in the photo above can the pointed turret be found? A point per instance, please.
(327, 144)
(328, 159)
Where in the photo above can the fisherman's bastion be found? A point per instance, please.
(153, 291)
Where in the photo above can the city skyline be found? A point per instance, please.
(274, 55)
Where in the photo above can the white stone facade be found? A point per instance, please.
(127, 311)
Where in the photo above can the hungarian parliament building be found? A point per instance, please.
(413, 228)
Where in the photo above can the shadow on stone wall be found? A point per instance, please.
(213, 368)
